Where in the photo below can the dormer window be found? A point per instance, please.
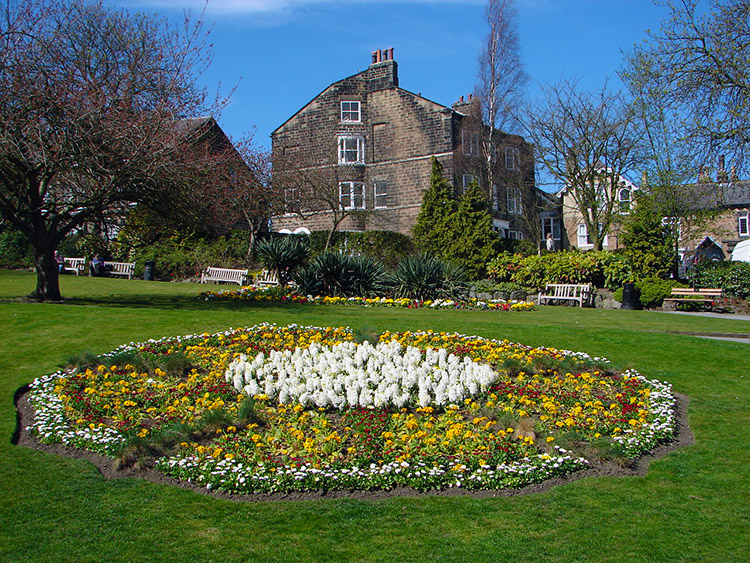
(350, 112)
(351, 149)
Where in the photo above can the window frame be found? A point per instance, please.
(512, 158)
(471, 178)
(495, 203)
(344, 113)
(376, 194)
(470, 142)
(624, 204)
(551, 225)
(588, 243)
(743, 218)
(359, 150)
(291, 200)
(514, 200)
(351, 195)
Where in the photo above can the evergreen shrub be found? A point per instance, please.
(732, 277)
(15, 250)
(424, 277)
(601, 269)
(341, 275)
(651, 291)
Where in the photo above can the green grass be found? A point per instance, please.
(692, 505)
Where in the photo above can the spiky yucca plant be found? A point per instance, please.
(424, 276)
(282, 255)
(341, 275)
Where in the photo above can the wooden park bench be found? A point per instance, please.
(125, 269)
(266, 277)
(580, 293)
(75, 265)
(224, 275)
(704, 296)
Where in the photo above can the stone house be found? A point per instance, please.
(360, 153)
(723, 221)
(727, 222)
(575, 232)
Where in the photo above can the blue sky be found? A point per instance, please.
(281, 53)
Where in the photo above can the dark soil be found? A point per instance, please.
(109, 467)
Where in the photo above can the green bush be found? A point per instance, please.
(615, 269)
(651, 291)
(524, 247)
(732, 277)
(15, 250)
(178, 258)
(282, 255)
(502, 267)
(648, 243)
(490, 286)
(387, 247)
(597, 268)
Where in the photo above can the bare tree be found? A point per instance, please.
(90, 98)
(237, 187)
(501, 82)
(311, 191)
(669, 160)
(697, 62)
(586, 142)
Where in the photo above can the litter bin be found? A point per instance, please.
(148, 271)
(630, 296)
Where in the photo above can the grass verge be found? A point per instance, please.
(692, 505)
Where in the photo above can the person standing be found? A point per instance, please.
(550, 242)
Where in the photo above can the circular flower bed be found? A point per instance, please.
(270, 408)
(276, 295)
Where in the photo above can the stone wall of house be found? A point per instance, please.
(722, 229)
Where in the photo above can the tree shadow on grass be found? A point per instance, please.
(169, 302)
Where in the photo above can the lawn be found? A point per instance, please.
(691, 506)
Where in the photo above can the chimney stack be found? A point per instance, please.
(721, 175)
(382, 76)
(382, 55)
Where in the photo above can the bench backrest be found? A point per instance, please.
(228, 274)
(687, 292)
(569, 290)
(267, 277)
(124, 267)
(78, 264)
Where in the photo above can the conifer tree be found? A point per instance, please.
(458, 230)
(438, 203)
(472, 243)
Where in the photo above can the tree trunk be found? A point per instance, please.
(251, 245)
(47, 279)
